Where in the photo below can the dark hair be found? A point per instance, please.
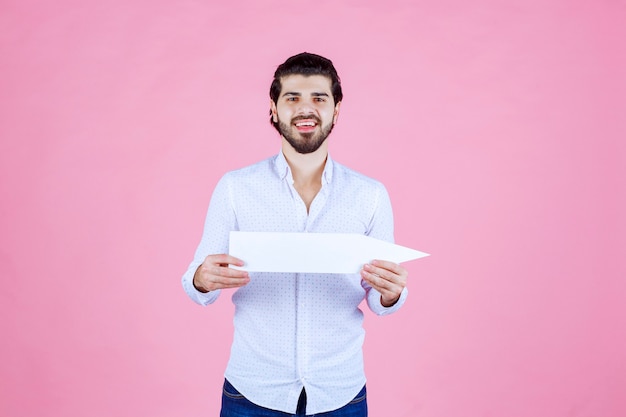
(305, 64)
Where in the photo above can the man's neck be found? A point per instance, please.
(306, 169)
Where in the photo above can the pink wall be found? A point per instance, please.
(498, 127)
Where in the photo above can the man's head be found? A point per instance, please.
(305, 97)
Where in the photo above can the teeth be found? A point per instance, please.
(305, 124)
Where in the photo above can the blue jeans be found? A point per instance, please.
(236, 405)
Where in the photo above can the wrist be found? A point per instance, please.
(195, 282)
(388, 304)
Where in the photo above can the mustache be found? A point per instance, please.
(307, 117)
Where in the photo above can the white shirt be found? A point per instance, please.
(296, 330)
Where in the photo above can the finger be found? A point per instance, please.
(378, 282)
(389, 292)
(226, 281)
(223, 271)
(231, 283)
(382, 273)
(389, 266)
(224, 258)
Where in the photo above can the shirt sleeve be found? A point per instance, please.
(220, 221)
(381, 227)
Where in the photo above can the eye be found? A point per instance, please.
(292, 98)
(319, 99)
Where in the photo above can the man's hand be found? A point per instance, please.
(215, 274)
(388, 278)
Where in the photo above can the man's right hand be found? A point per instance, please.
(215, 274)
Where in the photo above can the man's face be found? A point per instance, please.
(305, 111)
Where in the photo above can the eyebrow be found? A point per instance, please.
(293, 93)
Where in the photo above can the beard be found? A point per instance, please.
(304, 142)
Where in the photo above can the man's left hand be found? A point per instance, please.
(388, 278)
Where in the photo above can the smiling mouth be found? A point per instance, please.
(307, 123)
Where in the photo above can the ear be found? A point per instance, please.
(336, 112)
(273, 111)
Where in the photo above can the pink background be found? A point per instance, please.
(497, 126)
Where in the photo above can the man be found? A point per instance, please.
(297, 346)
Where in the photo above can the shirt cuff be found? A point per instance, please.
(205, 298)
(381, 310)
(199, 297)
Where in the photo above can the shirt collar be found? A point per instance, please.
(282, 168)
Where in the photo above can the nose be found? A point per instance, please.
(305, 107)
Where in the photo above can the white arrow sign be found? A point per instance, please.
(340, 253)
